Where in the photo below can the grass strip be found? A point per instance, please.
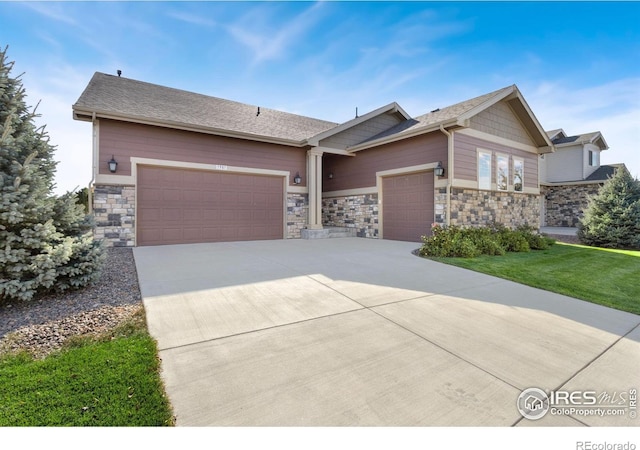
(603, 276)
(113, 380)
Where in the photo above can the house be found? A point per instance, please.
(571, 175)
(171, 166)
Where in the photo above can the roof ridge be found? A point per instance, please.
(199, 94)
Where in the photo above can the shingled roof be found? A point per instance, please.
(456, 115)
(121, 98)
(593, 138)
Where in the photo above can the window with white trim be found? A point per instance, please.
(484, 170)
(502, 174)
(518, 174)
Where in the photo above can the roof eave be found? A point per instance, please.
(390, 108)
(88, 115)
(403, 135)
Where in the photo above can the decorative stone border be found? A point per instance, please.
(114, 212)
(353, 211)
(565, 204)
(297, 211)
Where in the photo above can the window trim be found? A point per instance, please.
(521, 160)
(480, 153)
(502, 156)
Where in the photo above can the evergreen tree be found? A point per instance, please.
(45, 242)
(612, 218)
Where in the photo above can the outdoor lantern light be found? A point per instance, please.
(113, 165)
(297, 179)
(439, 170)
(331, 175)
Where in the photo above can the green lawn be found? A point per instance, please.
(607, 277)
(112, 381)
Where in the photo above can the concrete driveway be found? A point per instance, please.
(361, 332)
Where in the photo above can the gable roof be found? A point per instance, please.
(459, 115)
(596, 138)
(552, 134)
(114, 97)
(391, 108)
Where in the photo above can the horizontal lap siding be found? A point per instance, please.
(124, 140)
(360, 171)
(466, 164)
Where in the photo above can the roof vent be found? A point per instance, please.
(258, 113)
(436, 110)
(119, 72)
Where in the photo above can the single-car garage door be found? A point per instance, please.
(178, 206)
(407, 206)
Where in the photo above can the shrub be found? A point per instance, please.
(455, 241)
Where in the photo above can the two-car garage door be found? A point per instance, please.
(177, 206)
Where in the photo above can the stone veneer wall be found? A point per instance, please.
(353, 211)
(114, 211)
(565, 205)
(297, 211)
(477, 208)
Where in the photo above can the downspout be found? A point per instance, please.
(449, 171)
(94, 156)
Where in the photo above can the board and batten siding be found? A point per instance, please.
(124, 140)
(466, 159)
(359, 171)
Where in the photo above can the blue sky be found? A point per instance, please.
(577, 63)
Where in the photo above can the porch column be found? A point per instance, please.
(314, 181)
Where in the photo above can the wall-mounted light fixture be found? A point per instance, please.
(331, 175)
(113, 165)
(439, 170)
(297, 179)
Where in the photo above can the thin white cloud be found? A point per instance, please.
(191, 19)
(612, 108)
(271, 41)
(52, 11)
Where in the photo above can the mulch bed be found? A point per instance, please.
(43, 325)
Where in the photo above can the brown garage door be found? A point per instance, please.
(407, 206)
(177, 206)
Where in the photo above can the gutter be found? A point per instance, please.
(83, 115)
(449, 171)
(94, 158)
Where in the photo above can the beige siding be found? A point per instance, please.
(360, 171)
(466, 160)
(361, 132)
(500, 120)
(565, 164)
(125, 140)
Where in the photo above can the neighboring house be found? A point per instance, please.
(194, 168)
(571, 175)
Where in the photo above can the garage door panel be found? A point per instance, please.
(408, 209)
(183, 206)
(171, 195)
